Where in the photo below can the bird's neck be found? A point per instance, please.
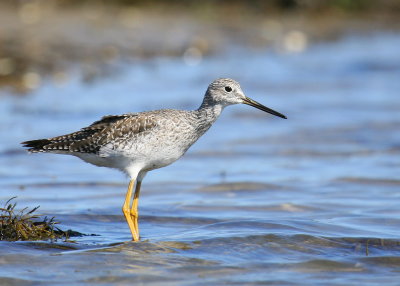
(209, 108)
(209, 112)
(206, 115)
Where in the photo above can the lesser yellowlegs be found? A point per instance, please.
(136, 143)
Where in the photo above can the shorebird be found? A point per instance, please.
(136, 143)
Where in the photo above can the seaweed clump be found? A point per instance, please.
(26, 225)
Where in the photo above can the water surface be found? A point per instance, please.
(258, 200)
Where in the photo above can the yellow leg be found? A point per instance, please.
(134, 210)
(127, 213)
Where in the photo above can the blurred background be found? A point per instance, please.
(43, 40)
(310, 198)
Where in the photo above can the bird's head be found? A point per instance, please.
(226, 91)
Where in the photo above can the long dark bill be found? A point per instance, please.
(257, 105)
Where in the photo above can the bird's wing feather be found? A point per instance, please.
(111, 128)
(106, 121)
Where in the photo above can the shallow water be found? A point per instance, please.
(258, 200)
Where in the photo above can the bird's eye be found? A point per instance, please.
(228, 88)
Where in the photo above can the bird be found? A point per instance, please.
(136, 143)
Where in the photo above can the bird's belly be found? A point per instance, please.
(161, 158)
(149, 158)
(109, 161)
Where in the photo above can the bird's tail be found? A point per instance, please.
(36, 146)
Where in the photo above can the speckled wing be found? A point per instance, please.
(112, 128)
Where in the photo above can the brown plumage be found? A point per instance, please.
(90, 139)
